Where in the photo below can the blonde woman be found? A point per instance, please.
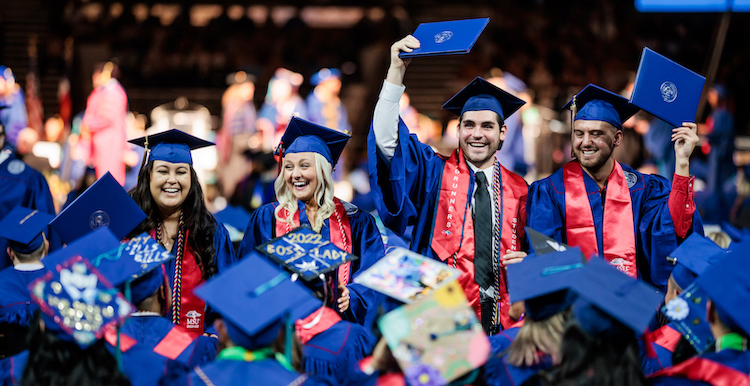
(304, 190)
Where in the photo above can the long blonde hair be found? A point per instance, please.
(323, 194)
(536, 336)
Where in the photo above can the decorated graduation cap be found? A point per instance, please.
(406, 276)
(304, 136)
(325, 74)
(171, 146)
(24, 228)
(727, 284)
(434, 331)
(687, 312)
(694, 255)
(104, 204)
(479, 95)
(137, 262)
(609, 300)
(543, 282)
(77, 302)
(594, 103)
(306, 253)
(262, 299)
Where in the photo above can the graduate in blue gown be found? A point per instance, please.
(691, 259)
(170, 194)
(599, 347)
(644, 218)
(78, 309)
(25, 231)
(433, 197)
(542, 283)
(24, 186)
(254, 326)
(149, 340)
(323, 103)
(304, 190)
(725, 284)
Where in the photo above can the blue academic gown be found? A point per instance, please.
(22, 185)
(13, 116)
(502, 340)
(731, 359)
(660, 347)
(11, 369)
(498, 372)
(366, 244)
(224, 257)
(16, 306)
(145, 367)
(655, 235)
(332, 355)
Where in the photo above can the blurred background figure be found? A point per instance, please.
(238, 131)
(323, 103)
(104, 122)
(12, 105)
(511, 154)
(25, 142)
(281, 103)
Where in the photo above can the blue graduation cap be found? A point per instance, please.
(542, 282)
(692, 257)
(24, 228)
(479, 95)
(172, 146)
(89, 246)
(727, 284)
(687, 312)
(137, 260)
(77, 302)
(103, 204)
(324, 74)
(260, 300)
(609, 299)
(594, 103)
(305, 252)
(304, 136)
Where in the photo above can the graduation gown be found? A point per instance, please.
(22, 185)
(655, 234)
(145, 367)
(366, 244)
(16, 306)
(659, 356)
(224, 258)
(724, 368)
(407, 191)
(11, 369)
(498, 372)
(331, 355)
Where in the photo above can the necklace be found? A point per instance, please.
(177, 283)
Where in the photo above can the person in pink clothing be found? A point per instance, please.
(104, 122)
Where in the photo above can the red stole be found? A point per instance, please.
(701, 369)
(340, 230)
(192, 308)
(453, 233)
(327, 318)
(665, 336)
(618, 229)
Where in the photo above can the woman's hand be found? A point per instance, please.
(511, 257)
(344, 298)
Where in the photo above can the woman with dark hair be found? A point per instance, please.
(169, 193)
(52, 360)
(600, 346)
(304, 190)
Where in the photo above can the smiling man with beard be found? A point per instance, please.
(630, 219)
(466, 210)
